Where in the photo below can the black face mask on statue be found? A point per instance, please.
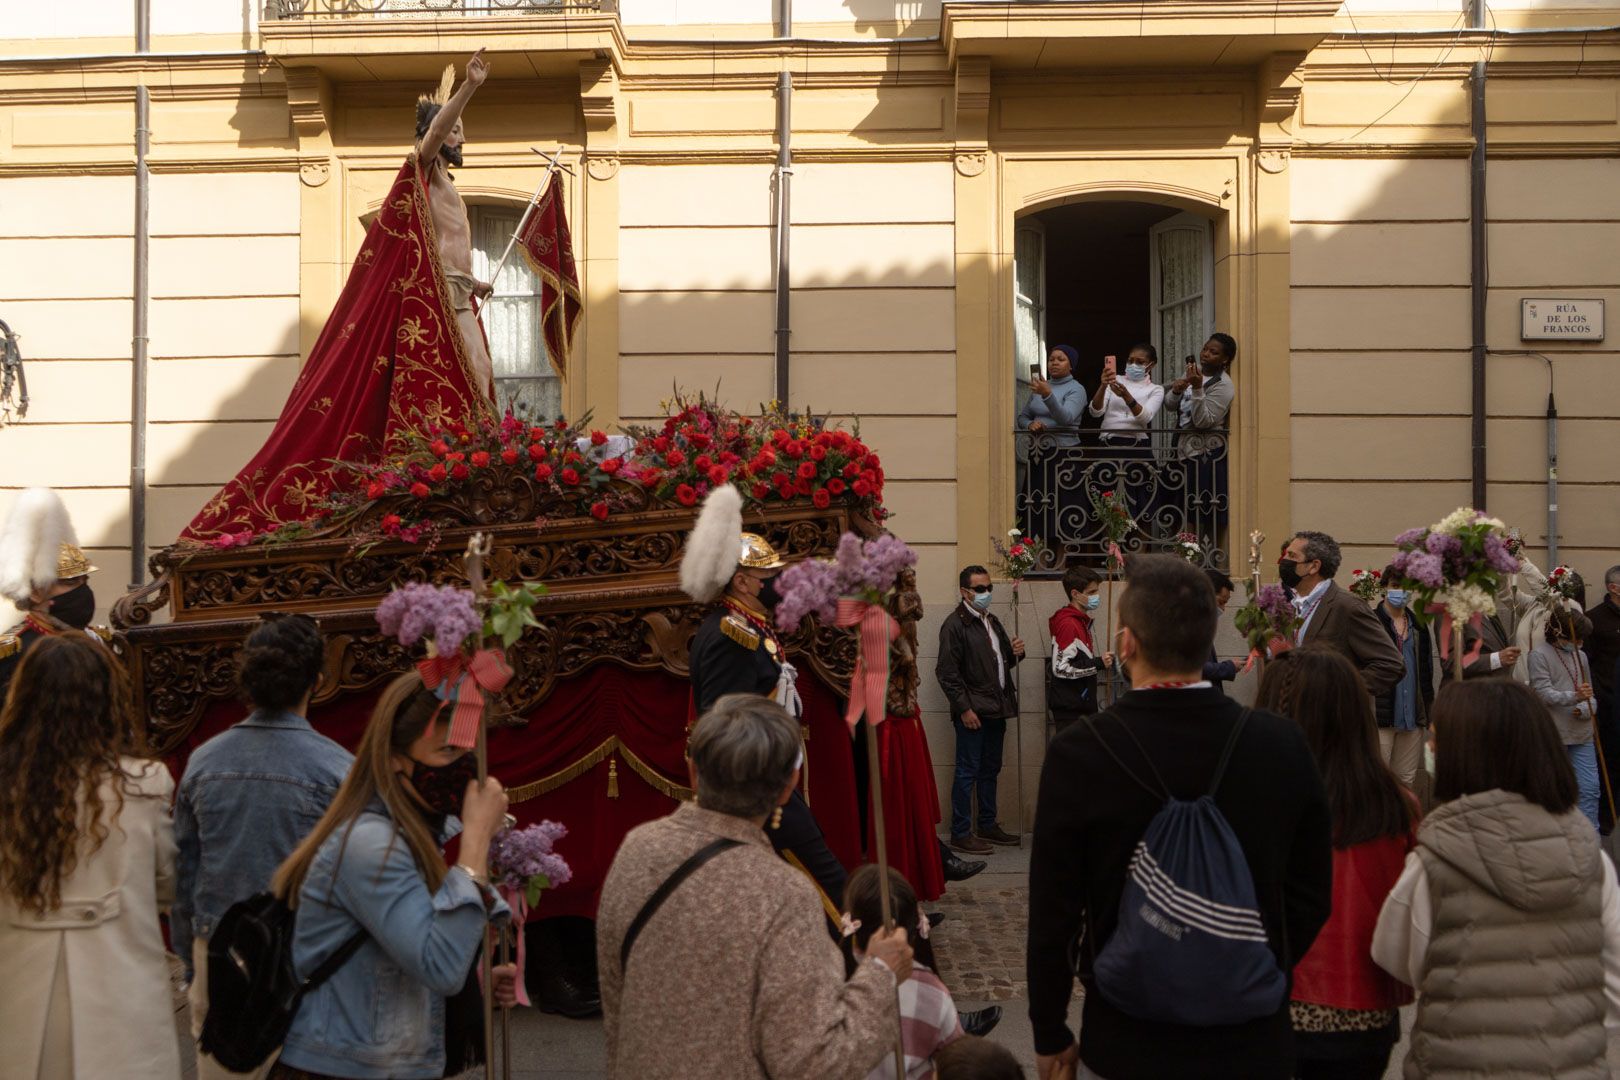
(443, 787)
(76, 607)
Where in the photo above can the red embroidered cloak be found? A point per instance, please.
(390, 360)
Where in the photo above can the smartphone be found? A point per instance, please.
(1110, 365)
(1034, 372)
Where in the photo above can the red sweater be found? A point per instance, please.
(1339, 970)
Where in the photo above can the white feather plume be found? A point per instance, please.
(31, 542)
(715, 545)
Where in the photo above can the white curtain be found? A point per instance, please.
(1181, 299)
(1029, 309)
(523, 373)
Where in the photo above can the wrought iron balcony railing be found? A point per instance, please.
(417, 9)
(1172, 493)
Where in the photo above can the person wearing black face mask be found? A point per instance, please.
(53, 605)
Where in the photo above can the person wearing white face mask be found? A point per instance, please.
(1403, 711)
(977, 671)
(1128, 404)
(1071, 683)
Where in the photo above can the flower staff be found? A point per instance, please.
(1115, 515)
(1014, 560)
(465, 681)
(1455, 568)
(851, 591)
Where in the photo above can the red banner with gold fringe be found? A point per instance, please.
(549, 250)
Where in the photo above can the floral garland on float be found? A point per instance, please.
(1454, 569)
(774, 457)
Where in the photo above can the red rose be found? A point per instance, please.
(510, 455)
(821, 499)
(851, 471)
(598, 438)
(807, 470)
(650, 478)
(766, 457)
(661, 444)
(457, 456)
(676, 458)
(570, 477)
(794, 449)
(760, 491)
(440, 447)
(685, 495)
(573, 458)
(1017, 549)
(801, 487)
(536, 451)
(779, 437)
(459, 472)
(542, 472)
(390, 522)
(437, 474)
(861, 488)
(818, 453)
(599, 511)
(612, 465)
(421, 490)
(717, 475)
(480, 458)
(699, 439)
(702, 462)
(560, 424)
(836, 486)
(376, 489)
(536, 434)
(728, 459)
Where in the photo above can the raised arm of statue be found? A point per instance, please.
(444, 122)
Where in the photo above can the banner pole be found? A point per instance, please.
(552, 165)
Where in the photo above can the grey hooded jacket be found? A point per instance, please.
(1513, 986)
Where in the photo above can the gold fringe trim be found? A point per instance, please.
(742, 636)
(654, 779)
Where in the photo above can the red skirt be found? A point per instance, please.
(910, 806)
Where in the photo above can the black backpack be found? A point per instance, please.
(253, 990)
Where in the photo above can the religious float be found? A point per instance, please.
(591, 729)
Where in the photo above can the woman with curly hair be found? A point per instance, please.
(86, 862)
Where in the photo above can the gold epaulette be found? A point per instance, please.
(10, 645)
(740, 632)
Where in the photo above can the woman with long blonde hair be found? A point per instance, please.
(375, 863)
(86, 862)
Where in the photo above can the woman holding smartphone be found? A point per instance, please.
(1127, 406)
(1056, 401)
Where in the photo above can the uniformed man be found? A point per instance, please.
(736, 651)
(52, 593)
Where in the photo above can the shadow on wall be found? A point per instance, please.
(897, 17)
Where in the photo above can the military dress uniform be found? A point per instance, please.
(16, 641)
(736, 651)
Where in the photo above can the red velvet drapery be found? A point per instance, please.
(614, 722)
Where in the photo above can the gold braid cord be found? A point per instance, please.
(609, 747)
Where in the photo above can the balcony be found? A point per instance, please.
(1175, 490)
(360, 41)
(277, 10)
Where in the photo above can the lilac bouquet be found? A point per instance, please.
(865, 569)
(1455, 566)
(523, 859)
(1267, 617)
(415, 611)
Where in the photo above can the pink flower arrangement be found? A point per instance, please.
(866, 569)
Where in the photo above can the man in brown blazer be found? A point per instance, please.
(1335, 617)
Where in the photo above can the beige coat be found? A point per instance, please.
(735, 977)
(84, 990)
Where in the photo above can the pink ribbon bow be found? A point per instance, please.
(869, 687)
(517, 899)
(1445, 634)
(467, 679)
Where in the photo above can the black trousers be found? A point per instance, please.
(798, 836)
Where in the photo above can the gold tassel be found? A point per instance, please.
(776, 818)
(613, 778)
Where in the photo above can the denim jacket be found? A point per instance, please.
(382, 1014)
(249, 796)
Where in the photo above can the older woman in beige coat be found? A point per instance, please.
(733, 974)
(86, 861)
